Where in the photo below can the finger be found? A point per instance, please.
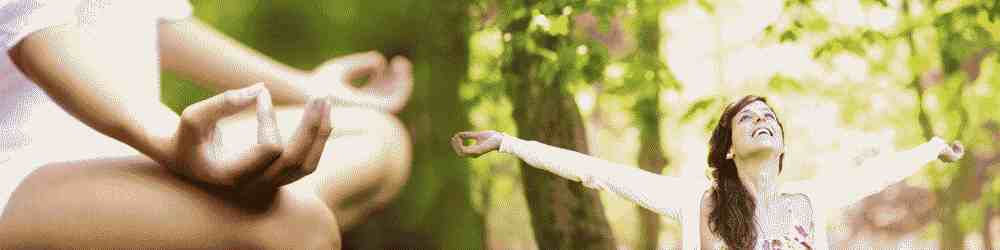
(462, 149)
(478, 149)
(241, 170)
(403, 79)
(390, 89)
(362, 64)
(267, 124)
(315, 153)
(295, 152)
(209, 111)
(465, 135)
(456, 145)
(402, 67)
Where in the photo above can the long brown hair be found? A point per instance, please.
(732, 216)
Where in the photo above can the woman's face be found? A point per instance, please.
(756, 132)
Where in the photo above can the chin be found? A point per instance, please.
(760, 149)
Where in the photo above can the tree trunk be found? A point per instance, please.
(647, 112)
(564, 214)
(988, 227)
(652, 159)
(434, 210)
(952, 236)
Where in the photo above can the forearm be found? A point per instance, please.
(661, 194)
(877, 173)
(77, 75)
(552, 159)
(195, 50)
(885, 169)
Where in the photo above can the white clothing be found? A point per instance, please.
(33, 129)
(680, 198)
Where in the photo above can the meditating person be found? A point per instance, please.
(743, 206)
(89, 157)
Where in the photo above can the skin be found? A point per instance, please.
(757, 156)
(757, 160)
(294, 194)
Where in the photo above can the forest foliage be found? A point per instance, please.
(919, 68)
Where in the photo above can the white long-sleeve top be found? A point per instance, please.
(680, 198)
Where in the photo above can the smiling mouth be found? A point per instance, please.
(763, 131)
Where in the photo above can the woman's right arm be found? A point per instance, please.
(86, 80)
(664, 195)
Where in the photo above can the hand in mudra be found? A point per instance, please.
(195, 150)
(388, 86)
(952, 153)
(486, 141)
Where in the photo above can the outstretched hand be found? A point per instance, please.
(196, 152)
(952, 153)
(388, 87)
(486, 141)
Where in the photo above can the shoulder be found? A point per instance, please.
(705, 207)
(18, 18)
(706, 202)
(18, 8)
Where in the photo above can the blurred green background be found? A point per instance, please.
(641, 82)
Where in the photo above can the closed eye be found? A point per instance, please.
(744, 118)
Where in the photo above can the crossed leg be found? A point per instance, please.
(364, 165)
(132, 202)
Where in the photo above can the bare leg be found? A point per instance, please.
(133, 202)
(365, 164)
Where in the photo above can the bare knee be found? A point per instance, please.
(384, 126)
(299, 221)
(393, 151)
(6, 240)
(397, 150)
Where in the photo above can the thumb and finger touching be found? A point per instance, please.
(205, 114)
(197, 145)
(362, 64)
(397, 87)
(267, 149)
(388, 86)
(267, 164)
(306, 147)
(484, 143)
(303, 151)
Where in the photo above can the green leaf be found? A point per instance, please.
(708, 6)
(781, 82)
(769, 29)
(698, 107)
(788, 36)
(560, 26)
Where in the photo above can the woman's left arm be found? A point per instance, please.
(876, 174)
(198, 51)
